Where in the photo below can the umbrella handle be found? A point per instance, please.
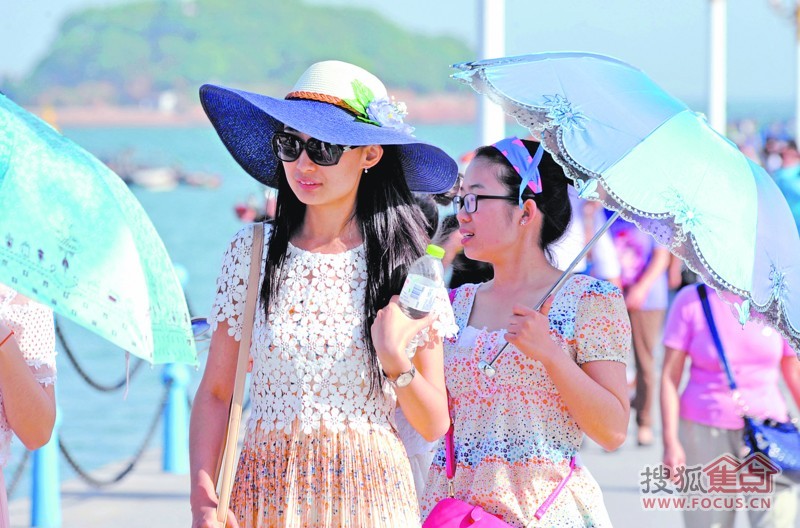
(488, 367)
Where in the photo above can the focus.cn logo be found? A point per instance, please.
(725, 483)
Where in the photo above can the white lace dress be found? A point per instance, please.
(34, 331)
(319, 450)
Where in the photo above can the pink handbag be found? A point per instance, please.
(453, 513)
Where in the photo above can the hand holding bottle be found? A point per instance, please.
(392, 331)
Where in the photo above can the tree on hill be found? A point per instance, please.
(131, 53)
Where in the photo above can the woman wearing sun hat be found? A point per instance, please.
(328, 348)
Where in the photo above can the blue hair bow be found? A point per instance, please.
(527, 166)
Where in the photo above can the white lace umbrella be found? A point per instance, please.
(646, 155)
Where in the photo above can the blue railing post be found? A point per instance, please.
(46, 484)
(176, 419)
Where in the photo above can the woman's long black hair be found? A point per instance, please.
(391, 225)
(553, 201)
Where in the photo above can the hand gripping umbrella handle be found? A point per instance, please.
(228, 461)
(488, 367)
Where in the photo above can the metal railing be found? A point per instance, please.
(173, 409)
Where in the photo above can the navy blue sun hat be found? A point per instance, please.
(332, 101)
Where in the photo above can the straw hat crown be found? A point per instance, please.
(336, 79)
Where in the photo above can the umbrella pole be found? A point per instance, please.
(487, 367)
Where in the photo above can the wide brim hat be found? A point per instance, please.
(332, 101)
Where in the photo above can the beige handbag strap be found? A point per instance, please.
(235, 415)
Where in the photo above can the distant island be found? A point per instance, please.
(142, 63)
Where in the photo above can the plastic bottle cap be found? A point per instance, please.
(435, 251)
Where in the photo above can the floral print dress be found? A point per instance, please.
(514, 436)
(319, 450)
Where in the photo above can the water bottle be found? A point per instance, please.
(425, 278)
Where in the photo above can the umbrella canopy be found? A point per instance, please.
(73, 237)
(643, 153)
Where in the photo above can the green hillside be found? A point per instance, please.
(130, 53)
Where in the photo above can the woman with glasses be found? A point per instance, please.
(518, 425)
(328, 348)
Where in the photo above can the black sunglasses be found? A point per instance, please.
(470, 201)
(288, 147)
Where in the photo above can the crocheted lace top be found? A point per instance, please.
(310, 363)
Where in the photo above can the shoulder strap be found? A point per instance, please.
(449, 448)
(235, 415)
(703, 293)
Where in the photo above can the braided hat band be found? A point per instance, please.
(322, 98)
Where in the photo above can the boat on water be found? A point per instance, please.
(158, 178)
(167, 178)
(135, 173)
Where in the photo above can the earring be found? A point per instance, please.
(523, 222)
(366, 170)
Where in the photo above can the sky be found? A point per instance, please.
(667, 39)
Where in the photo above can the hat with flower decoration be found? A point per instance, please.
(332, 101)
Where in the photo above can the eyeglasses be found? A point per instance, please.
(288, 147)
(470, 201)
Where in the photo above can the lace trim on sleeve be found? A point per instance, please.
(231, 295)
(44, 373)
(46, 381)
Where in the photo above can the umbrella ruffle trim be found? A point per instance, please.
(662, 227)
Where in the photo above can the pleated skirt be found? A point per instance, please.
(353, 478)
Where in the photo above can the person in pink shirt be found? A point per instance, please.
(704, 421)
(27, 378)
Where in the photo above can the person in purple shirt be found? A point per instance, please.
(704, 421)
(643, 276)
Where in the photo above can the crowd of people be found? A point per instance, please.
(775, 149)
(348, 430)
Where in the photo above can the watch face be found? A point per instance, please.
(405, 378)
